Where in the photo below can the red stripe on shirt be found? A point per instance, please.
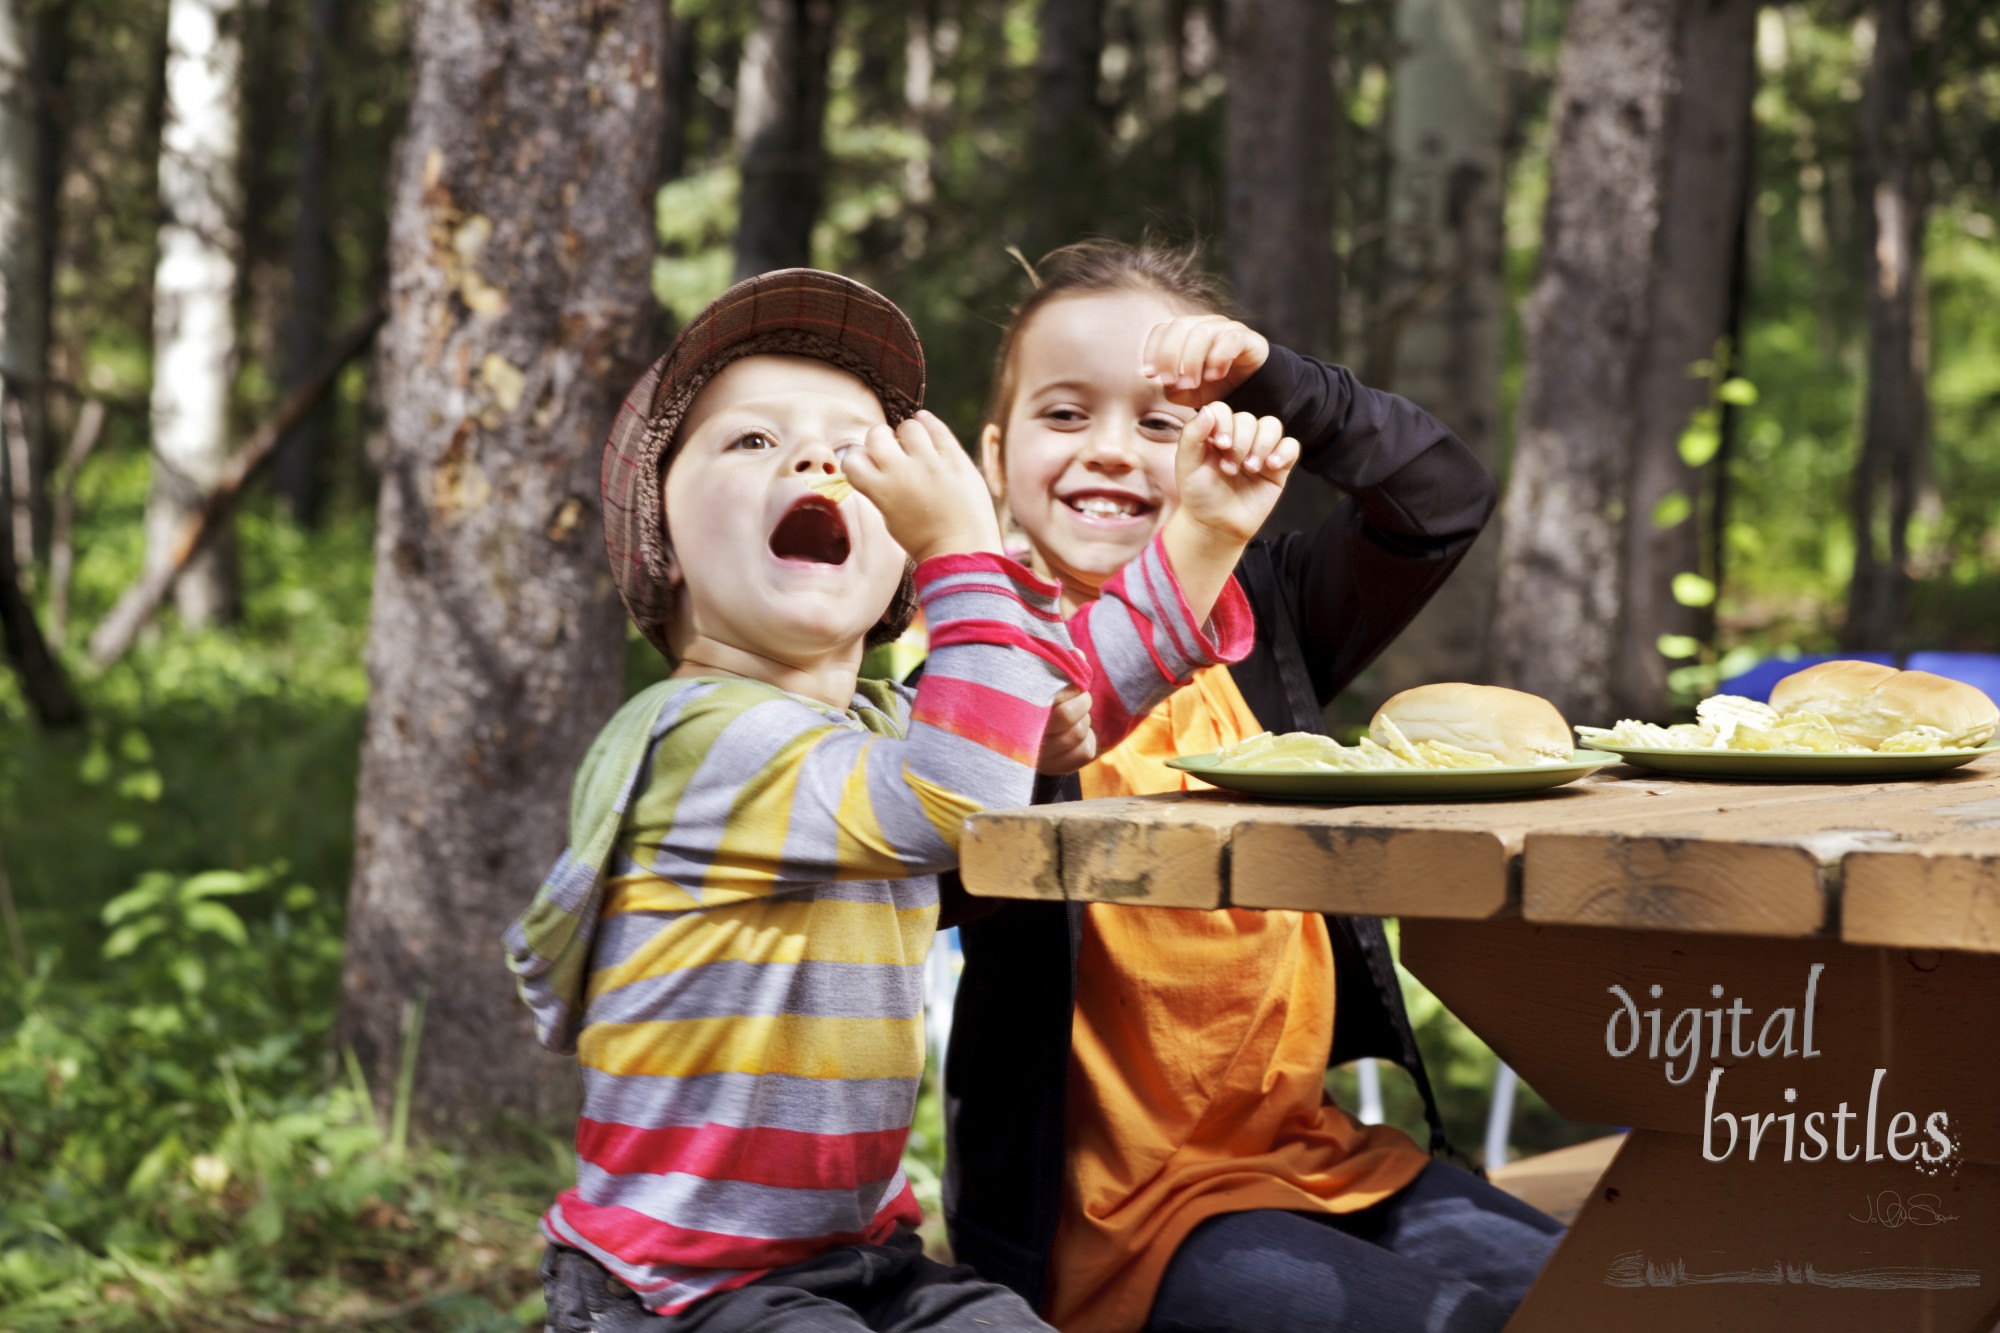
(636, 1238)
(787, 1158)
(994, 718)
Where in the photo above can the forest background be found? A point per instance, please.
(317, 310)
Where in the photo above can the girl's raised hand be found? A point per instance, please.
(1199, 359)
(1231, 467)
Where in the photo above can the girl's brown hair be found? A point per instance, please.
(1173, 272)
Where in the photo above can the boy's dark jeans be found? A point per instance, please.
(1447, 1254)
(887, 1288)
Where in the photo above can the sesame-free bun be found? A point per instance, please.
(1514, 727)
(1867, 703)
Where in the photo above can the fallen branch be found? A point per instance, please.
(114, 636)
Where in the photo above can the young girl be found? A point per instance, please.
(1140, 1138)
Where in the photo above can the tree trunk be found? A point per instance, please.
(43, 683)
(521, 239)
(1444, 324)
(51, 66)
(1895, 440)
(1278, 127)
(1556, 626)
(780, 122)
(194, 330)
(1700, 254)
(1066, 134)
(24, 288)
(296, 469)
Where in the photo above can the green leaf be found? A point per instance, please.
(212, 918)
(1738, 660)
(125, 833)
(1672, 510)
(148, 893)
(1701, 441)
(135, 747)
(1678, 645)
(141, 786)
(1693, 590)
(190, 974)
(127, 938)
(221, 883)
(96, 766)
(1736, 390)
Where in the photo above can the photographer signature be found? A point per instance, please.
(1888, 1209)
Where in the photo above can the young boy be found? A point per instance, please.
(733, 944)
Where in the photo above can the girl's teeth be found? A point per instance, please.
(1100, 507)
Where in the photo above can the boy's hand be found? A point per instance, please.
(1199, 359)
(1068, 743)
(927, 487)
(1231, 467)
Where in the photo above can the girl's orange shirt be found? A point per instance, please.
(1198, 1061)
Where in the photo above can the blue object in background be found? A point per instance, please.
(1981, 670)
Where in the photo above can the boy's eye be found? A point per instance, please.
(753, 439)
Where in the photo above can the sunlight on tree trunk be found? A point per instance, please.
(1694, 293)
(194, 329)
(1556, 625)
(1895, 436)
(1439, 341)
(496, 650)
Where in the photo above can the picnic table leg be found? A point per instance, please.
(1672, 1239)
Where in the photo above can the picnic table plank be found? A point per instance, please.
(1942, 894)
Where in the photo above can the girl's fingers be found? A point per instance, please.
(1223, 349)
(1169, 351)
(1283, 456)
(1269, 431)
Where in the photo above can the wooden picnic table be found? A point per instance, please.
(1522, 915)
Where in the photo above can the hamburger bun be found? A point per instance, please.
(1867, 703)
(1514, 727)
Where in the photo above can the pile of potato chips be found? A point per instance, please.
(1304, 752)
(1732, 722)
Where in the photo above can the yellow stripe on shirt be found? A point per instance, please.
(796, 1044)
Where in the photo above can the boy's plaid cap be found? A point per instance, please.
(794, 311)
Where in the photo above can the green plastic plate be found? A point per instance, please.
(1790, 765)
(1425, 784)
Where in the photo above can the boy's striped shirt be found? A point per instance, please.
(734, 942)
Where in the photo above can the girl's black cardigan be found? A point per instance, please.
(1326, 602)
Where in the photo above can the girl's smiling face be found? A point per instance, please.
(1084, 455)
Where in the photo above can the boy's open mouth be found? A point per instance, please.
(812, 531)
(1107, 504)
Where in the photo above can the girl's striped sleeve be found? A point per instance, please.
(1142, 641)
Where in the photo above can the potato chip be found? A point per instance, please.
(835, 488)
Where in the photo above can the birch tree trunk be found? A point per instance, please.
(1695, 292)
(23, 285)
(1066, 134)
(1278, 126)
(780, 125)
(194, 286)
(1443, 328)
(1556, 628)
(521, 239)
(1895, 440)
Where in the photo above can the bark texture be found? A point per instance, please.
(194, 287)
(1556, 624)
(1441, 336)
(780, 131)
(1278, 134)
(1696, 293)
(521, 239)
(1895, 438)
